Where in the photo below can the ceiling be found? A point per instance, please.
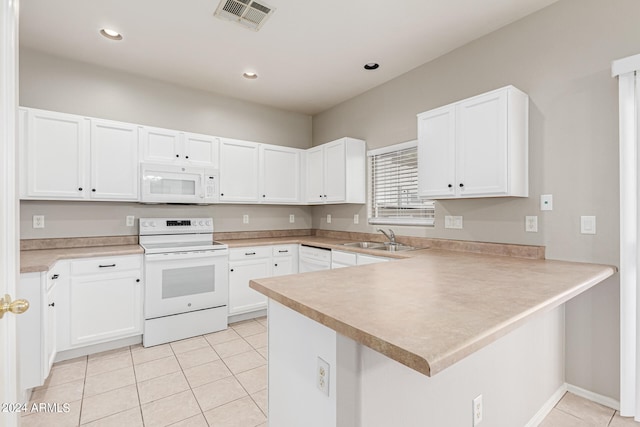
(309, 55)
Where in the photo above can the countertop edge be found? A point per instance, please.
(51, 256)
(416, 361)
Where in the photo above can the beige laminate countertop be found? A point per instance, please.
(43, 259)
(436, 307)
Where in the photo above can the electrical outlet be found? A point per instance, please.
(131, 220)
(454, 222)
(292, 218)
(448, 221)
(328, 218)
(531, 224)
(245, 219)
(322, 378)
(477, 410)
(38, 221)
(546, 202)
(356, 218)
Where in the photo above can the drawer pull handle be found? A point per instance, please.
(249, 253)
(55, 276)
(284, 252)
(53, 304)
(106, 265)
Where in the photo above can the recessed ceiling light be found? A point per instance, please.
(250, 75)
(111, 34)
(371, 66)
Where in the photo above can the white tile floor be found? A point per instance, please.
(218, 379)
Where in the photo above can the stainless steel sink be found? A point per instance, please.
(390, 247)
(365, 245)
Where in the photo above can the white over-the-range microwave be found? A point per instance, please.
(178, 184)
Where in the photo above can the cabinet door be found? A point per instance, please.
(105, 307)
(482, 145)
(114, 161)
(243, 299)
(315, 175)
(57, 155)
(283, 265)
(335, 172)
(436, 153)
(238, 171)
(201, 150)
(51, 330)
(160, 145)
(280, 172)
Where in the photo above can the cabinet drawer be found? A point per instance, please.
(105, 265)
(284, 250)
(253, 252)
(340, 257)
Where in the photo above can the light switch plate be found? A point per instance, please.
(245, 219)
(588, 224)
(328, 218)
(356, 218)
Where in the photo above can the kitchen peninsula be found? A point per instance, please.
(413, 342)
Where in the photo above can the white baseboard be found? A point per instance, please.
(594, 397)
(547, 407)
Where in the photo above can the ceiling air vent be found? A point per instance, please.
(248, 13)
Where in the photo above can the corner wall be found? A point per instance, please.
(561, 56)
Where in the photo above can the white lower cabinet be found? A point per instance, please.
(103, 301)
(341, 259)
(37, 326)
(246, 264)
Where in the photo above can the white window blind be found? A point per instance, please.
(393, 194)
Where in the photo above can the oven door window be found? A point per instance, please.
(187, 281)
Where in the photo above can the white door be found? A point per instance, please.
(481, 129)
(160, 145)
(201, 150)
(114, 160)
(280, 172)
(57, 155)
(335, 171)
(238, 171)
(9, 216)
(315, 175)
(436, 153)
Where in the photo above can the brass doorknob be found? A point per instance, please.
(16, 307)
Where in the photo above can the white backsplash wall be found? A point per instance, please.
(88, 219)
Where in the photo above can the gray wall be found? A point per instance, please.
(58, 84)
(561, 56)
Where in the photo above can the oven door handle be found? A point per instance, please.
(185, 255)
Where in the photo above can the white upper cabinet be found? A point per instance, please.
(280, 174)
(477, 147)
(179, 148)
(336, 172)
(56, 156)
(239, 171)
(70, 157)
(114, 160)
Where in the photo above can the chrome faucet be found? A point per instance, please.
(391, 236)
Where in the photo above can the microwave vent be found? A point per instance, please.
(248, 13)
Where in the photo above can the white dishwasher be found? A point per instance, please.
(312, 258)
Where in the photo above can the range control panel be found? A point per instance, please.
(175, 226)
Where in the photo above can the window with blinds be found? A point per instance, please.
(393, 197)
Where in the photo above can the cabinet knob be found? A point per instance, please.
(222, 194)
(232, 269)
(325, 196)
(186, 157)
(177, 155)
(53, 304)
(137, 280)
(79, 188)
(264, 195)
(93, 189)
(275, 265)
(461, 185)
(450, 185)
